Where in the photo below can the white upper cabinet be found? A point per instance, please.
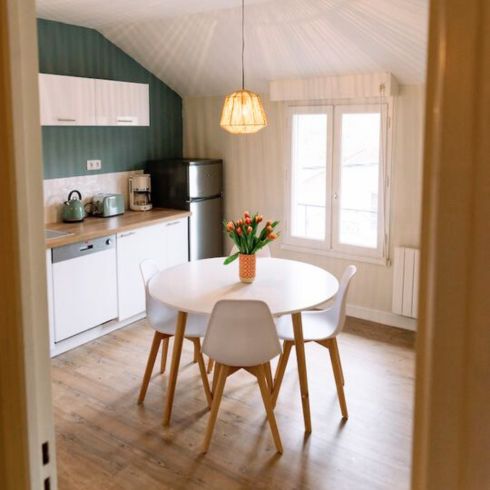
(76, 101)
(122, 103)
(67, 101)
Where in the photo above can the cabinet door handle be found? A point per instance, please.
(66, 119)
(173, 223)
(129, 233)
(122, 119)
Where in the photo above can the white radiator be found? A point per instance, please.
(406, 281)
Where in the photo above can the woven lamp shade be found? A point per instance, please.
(243, 113)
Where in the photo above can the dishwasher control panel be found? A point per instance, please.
(80, 249)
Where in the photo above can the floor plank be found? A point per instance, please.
(106, 441)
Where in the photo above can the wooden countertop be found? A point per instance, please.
(94, 227)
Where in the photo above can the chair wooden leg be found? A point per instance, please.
(217, 395)
(260, 372)
(268, 376)
(194, 360)
(336, 347)
(299, 343)
(155, 345)
(210, 365)
(281, 369)
(202, 369)
(335, 359)
(215, 377)
(174, 367)
(163, 361)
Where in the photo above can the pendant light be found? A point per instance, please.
(243, 112)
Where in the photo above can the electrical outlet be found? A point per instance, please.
(94, 164)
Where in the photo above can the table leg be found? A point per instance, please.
(174, 368)
(303, 379)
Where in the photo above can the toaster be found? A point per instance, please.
(106, 205)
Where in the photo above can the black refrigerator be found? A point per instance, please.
(195, 185)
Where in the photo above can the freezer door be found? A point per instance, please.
(205, 180)
(206, 229)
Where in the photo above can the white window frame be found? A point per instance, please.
(302, 241)
(331, 246)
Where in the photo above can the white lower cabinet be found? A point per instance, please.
(49, 288)
(166, 243)
(177, 243)
(91, 295)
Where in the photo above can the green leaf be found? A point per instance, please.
(231, 258)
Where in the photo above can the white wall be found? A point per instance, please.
(255, 175)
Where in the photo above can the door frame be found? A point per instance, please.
(452, 415)
(14, 461)
(26, 421)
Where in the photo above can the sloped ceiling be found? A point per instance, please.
(195, 45)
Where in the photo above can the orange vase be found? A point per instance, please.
(247, 267)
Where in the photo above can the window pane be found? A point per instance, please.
(309, 158)
(359, 178)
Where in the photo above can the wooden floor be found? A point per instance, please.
(106, 441)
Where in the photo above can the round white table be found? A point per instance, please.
(287, 286)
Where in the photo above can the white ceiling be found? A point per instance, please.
(194, 45)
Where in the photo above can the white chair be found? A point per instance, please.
(163, 320)
(241, 335)
(263, 252)
(321, 327)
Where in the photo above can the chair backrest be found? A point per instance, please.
(263, 252)
(241, 333)
(148, 269)
(156, 312)
(338, 308)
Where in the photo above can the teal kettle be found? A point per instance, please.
(73, 209)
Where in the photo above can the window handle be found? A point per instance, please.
(335, 196)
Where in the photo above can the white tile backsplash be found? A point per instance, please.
(56, 190)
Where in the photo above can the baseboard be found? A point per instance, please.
(92, 334)
(384, 317)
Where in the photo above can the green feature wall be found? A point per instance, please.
(71, 50)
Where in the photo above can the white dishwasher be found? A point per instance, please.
(84, 286)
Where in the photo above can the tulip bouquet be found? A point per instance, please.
(246, 235)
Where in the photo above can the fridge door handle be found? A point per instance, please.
(201, 199)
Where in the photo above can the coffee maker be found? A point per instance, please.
(140, 192)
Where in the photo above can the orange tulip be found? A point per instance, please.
(239, 222)
(269, 223)
(239, 231)
(269, 228)
(249, 230)
(230, 226)
(271, 236)
(258, 218)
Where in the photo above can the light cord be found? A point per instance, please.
(243, 44)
